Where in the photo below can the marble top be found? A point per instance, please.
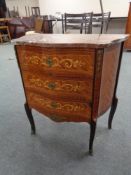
(71, 40)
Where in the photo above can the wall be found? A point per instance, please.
(119, 8)
(75, 6)
(21, 5)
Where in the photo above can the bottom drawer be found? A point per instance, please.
(60, 110)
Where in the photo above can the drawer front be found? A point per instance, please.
(58, 81)
(60, 110)
(67, 89)
(57, 61)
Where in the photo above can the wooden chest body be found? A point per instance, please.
(70, 78)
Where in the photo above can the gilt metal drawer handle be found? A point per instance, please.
(52, 86)
(54, 105)
(49, 61)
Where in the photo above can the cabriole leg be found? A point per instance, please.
(30, 117)
(92, 135)
(112, 112)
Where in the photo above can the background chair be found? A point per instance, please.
(35, 11)
(107, 20)
(73, 22)
(101, 21)
(78, 22)
(88, 22)
(4, 34)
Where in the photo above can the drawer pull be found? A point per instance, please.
(52, 86)
(57, 118)
(54, 105)
(49, 61)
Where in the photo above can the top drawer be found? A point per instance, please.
(57, 61)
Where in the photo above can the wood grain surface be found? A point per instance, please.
(109, 71)
(58, 81)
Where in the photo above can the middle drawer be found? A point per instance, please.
(59, 88)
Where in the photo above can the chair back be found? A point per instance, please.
(88, 22)
(73, 22)
(101, 21)
(107, 16)
(35, 11)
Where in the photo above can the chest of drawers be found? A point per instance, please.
(70, 78)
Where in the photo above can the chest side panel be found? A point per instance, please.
(109, 72)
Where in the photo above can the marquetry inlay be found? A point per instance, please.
(67, 61)
(97, 80)
(58, 105)
(76, 86)
(99, 60)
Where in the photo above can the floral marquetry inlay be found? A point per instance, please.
(69, 62)
(56, 105)
(57, 84)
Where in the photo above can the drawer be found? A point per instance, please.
(58, 88)
(60, 110)
(68, 62)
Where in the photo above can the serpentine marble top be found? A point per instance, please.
(71, 40)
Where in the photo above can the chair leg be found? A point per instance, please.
(30, 117)
(1, 39)
(8, 33)
(112, 112)
(92, 135)
(102, 25)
